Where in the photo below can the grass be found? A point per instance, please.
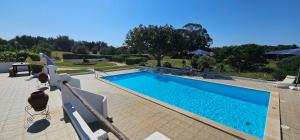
(176, 63)
(71, 64)
(59, 54)
(116, 67)
(73, 71)
(229, 71)
(253, 75)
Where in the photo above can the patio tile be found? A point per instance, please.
(12, 107)
(135, 116)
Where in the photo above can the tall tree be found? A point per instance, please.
(154, 40)
(24, 42)
(196, 37)
(191, 37)
(3, 42)
(63, 43)
(42, 46)
(245, 57)
(80, 48)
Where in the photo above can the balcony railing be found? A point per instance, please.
(110, 127)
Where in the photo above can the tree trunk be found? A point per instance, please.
(158, 62)
(158, 58)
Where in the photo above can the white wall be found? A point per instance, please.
(98, 102)
(4, 66)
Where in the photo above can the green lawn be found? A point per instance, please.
(116, 67)
(263, 75)
(176, 63)
(254, 75)
(71, 64)
(59, 54)
(72, 71)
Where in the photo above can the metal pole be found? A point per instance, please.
(298, 76)
(99, 117)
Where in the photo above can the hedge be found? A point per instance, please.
(123, 57)
(135, 60)
(86, 56)
(118, 58)
(11, 56)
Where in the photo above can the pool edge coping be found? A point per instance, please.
(272, 129)
(272, 121)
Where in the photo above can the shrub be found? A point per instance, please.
(122, 57)
(183, 63)
(7, 56)
(22, 56)
(19, 57)
(194, 61)
(142, 64)
(7, 47)
(135, 60)
(279, 75)
(82, 56)
(245, 57)
(167, 64)
(135, 55)
(202, 62)
(118, 58)
(287, 66)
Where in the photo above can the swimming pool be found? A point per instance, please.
(239, 108)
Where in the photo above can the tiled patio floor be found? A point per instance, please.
(13, 99)
(136, 117)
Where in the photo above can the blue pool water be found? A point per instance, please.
(239, 108)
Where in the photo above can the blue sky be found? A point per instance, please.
(229, 22)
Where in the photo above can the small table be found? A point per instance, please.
(21, 64)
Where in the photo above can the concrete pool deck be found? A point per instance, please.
(272, 130)
(135, 116)
(273, 115)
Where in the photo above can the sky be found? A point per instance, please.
(229, 22)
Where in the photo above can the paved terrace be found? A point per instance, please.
(14, 93)
(136, 117)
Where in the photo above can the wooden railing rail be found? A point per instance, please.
(113, 129)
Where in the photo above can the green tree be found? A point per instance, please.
(108, 50)
(3, 42)
(63, 43)
(191, 37)
(80, 48)
(42, 47)
(154, 40)
(197, 37)
(24, 42)
(246, 57)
